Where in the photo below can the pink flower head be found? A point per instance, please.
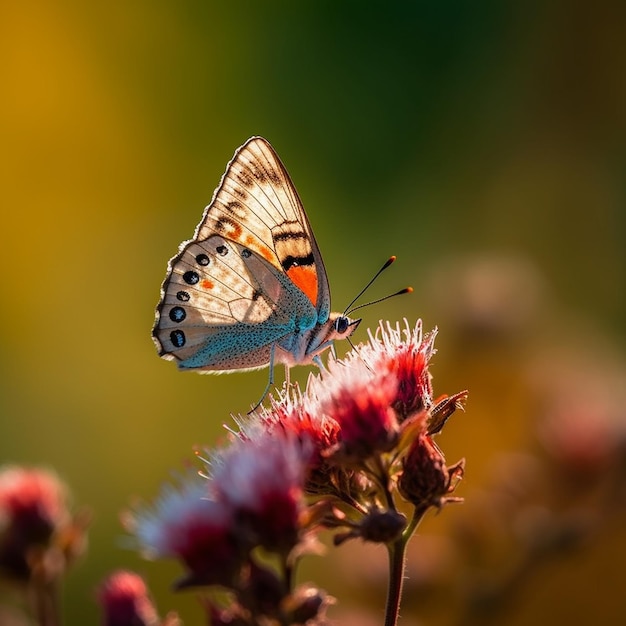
(404, 353)
(187, 525)
(359, 400)
(33, 506)
(125, 601)
(261, 479)
(300, 415)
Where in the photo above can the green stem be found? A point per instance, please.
(381, 476)
(418, 515)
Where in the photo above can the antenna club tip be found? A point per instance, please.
(409, 289)
(388, 262)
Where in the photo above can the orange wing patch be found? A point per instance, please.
(305, 277)
(207, 284)
(267, 254)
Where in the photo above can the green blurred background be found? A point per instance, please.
(481, 142)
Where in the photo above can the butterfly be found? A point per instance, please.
(250, 289)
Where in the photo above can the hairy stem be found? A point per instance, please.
(397, 561)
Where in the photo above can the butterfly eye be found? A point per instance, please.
(341, 324)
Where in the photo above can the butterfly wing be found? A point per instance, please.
(224, 306)
(251, 276)
(257, 205)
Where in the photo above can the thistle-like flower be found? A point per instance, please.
(338, 455)
(39, 536)
(185, 524)
(261, 480)
(125, 601)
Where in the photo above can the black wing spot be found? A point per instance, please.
(245, 253)
(178, 314)
(202, 259)
(295, 261)
(183, 296)
(191, 277)
(222, 250)
(178, 338)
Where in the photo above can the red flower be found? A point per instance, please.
(33, 507)
(404, 354)
(187, 525)
(359, 401)
(125, 601)
(300, 415)
(261, 479)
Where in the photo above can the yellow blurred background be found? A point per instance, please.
(483, 143)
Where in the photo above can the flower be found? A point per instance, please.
(125, 601)
(403, 353)
(261, 480)
(359, 401)
(34, 516)
(187, 525)
(300, 415)
(426, 480)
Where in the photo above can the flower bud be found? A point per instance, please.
(425, 480)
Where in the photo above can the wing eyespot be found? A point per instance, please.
(177, 314)
(191, 277)
(178, 338)
(183, 296)
(202, 259)
(245, 253)
(222, 250)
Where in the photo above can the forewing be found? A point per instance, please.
(256, 205)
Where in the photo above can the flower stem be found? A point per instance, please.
(396, 580)
(397, 561)
(45, 603)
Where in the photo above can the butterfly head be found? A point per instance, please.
(342, 325)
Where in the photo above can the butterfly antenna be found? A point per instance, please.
(387, 263)
(392, 295)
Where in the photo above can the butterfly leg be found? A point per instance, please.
(270, 382)
(317, 359)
